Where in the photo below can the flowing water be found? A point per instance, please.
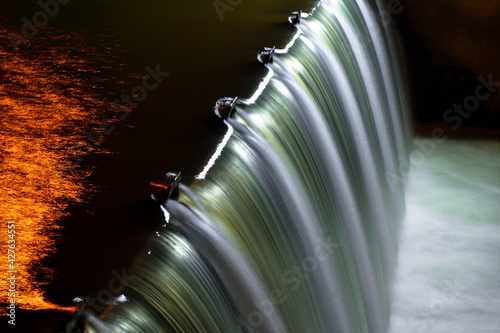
(292, 226)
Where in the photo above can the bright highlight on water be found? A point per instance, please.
(292, 227)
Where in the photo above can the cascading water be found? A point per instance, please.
(292, 225)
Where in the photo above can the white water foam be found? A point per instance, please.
(448, 277)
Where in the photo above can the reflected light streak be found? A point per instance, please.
(262, 85)
(290, 44)
(217, 153)
(165, 213)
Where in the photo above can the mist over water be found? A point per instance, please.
(448, 265)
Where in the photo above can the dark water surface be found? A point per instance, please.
(78, 192)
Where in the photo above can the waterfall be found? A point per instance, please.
(292, 225)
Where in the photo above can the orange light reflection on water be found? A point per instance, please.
(38, 127)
